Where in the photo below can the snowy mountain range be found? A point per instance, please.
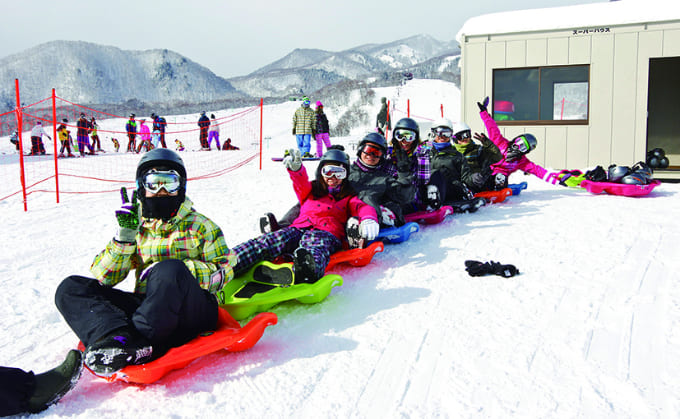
(89, 73)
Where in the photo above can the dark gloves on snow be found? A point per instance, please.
(484, 104)
(476, 268)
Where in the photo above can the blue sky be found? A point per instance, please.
(234, 38)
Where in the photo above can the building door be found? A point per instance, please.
(663, 108)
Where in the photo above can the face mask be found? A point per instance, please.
(161, 207)
(440, 146)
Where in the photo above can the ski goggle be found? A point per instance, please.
(169, 180)
(372, 150)
(405, 135)
(443, 132)
(463, 135)
(521, 144)
(329, 170)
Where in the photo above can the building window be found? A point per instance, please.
(541, 95)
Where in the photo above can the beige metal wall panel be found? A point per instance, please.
(601, 70)
(558, 51)
(515, 54)
(555, 148)
(624, 98)
(579, 49)
(577, 147)
(537, 52)
(495, 58)
(473, 83)
(671, 43)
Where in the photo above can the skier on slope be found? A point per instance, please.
(181, 260)
(514, 152)
(37, 146)
(325, 205)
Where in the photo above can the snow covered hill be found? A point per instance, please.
(589, 329)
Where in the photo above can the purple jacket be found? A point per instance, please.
(326, 213)
(507, 167)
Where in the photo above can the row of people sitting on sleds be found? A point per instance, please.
(182, 260)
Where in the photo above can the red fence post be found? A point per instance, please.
(442, 107)
(20, 128)
(54, 133)
(261, 117)
(387, 125)
(408, 108)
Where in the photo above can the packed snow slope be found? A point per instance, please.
(590, 328)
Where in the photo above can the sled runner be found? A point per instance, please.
(429, 217)
(229, 336)
(517, 187)
(621, 189)
(355, 257)
(395, 235)
(246, 295)
(303, 159)
(494, 197)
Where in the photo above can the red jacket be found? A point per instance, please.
(326, 213)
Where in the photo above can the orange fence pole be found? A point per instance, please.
(54, 133)
(20, 124)
(442, 108)
(408, 108)
(387, 126)
(261, 117)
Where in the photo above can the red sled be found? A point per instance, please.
(355, 257)
(429, 217)
(229, 336)
(494, 197)
(621, 189)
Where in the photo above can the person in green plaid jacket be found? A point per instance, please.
(181, 259)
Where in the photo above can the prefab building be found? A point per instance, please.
(596, 83)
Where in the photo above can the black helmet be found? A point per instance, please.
(332, 155)
(161, 207)
(373, 138)
(641, 168)
(409, 124)
(664, 162)
(634, 179)
(616, 173)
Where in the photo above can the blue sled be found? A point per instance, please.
(517, 187)
(397, 234)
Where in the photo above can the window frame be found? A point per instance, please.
(551, 122)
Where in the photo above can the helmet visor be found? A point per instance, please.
(331, 170)
(372, 150)
(405, 135)
(153, 181)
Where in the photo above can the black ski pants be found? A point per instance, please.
(16, 388)
(174, 310)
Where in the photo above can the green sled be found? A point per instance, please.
(243, 296)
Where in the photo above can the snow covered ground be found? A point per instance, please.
(590, 328)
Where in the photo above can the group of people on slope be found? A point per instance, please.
(308, 123)
(149, 137)
(181, 259)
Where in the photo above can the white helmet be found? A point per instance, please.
(461, 131)
(442, 122)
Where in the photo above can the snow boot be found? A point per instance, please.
(304, 267)
(51, 386)
(268, 223)
(354, 238)
(120, 348)
(468, 205)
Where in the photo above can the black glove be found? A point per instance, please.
(484, 104)
(403, 162)
(476, 268)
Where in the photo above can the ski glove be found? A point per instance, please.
(403, 161)
(293, 161)
(128, 218)
(484, 104)
(369, 229)
(476, 268)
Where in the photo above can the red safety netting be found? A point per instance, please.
(102, 161)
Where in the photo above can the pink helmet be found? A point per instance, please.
(319, 104)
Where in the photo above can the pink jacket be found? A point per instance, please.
(144, 133)
(503, 166)
(326, 213)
